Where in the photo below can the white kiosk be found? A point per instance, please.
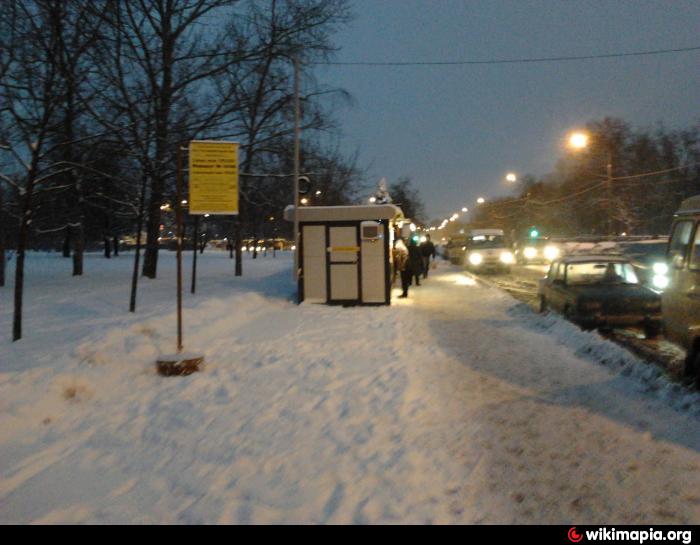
(345, 253)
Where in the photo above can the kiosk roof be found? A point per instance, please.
(344, 213)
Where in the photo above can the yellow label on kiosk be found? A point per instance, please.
(344, 249)
(213, 177)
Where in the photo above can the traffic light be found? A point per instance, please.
(534, 233)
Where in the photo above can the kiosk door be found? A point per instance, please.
(344, 249)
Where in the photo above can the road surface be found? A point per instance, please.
(546, 436)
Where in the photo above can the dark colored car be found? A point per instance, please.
(600, 292)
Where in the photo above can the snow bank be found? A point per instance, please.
(591, 345)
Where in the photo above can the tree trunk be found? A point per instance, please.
(150, 255)
(115, 245)
(162, 126)
(137, 255)
(66, 242)
(78, 251)
(21, 249)
(19, 280)
(108, 247)
(237, 246)
(2, 259)
(2, 245)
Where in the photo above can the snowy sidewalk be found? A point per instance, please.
(455, 405)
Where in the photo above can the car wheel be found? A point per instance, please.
(543, 304)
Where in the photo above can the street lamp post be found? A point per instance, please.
(608, 188)
(297, 160)
(579, 140)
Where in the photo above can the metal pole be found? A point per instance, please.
(195, 244)
(608, 187)
(178, 214)
(297, 160)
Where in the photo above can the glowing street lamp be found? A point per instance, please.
(304, 201)
(465, 209)
(372, 200)
(480, 200)
(511, 177)
(578, 140)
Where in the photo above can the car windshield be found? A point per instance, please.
(486, 241)
(600, 272)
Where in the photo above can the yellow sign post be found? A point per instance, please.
(213, 177)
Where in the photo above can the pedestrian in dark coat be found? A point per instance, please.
(415, 260)
(427, 250)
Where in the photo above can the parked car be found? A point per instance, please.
(600, 291)
(681, 299)
(487, 250)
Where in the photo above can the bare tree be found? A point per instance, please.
(280, 30)
(158, 68)
(32, 92)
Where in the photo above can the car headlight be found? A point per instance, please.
(244, 248)
(530, 252)
(660, 268)
(551, 253)
(475, 258)
(506, 257)
(660, 281)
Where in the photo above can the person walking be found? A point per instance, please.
(415, 260)
(401, 265)
(427, 250)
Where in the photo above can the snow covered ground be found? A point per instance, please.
(455, 405)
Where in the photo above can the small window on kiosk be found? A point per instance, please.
(370, 231)
(680, 240)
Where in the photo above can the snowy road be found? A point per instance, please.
(456, 405)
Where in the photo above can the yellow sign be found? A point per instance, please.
(344, 248)
(213, 177)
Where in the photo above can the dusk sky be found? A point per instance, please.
(457, 130)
